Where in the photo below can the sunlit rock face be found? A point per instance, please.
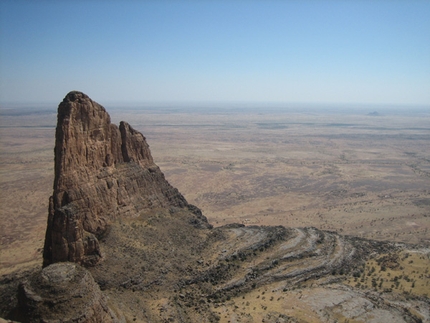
(102, 172)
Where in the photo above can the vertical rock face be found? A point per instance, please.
(102, 172)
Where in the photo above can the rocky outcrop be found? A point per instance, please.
(102, 172)
(63, 292)
(159, 267)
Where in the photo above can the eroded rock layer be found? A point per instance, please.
(63, 292)
(102, 172)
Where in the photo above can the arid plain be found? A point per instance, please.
(353, 173)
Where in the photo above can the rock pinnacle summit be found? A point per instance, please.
(102, 172)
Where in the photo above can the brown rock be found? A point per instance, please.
(102, 172)
(8, 321)
(63, 292)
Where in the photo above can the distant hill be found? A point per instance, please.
(374, 114)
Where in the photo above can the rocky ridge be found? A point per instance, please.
(152, 257)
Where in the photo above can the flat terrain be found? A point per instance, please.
(362, 175)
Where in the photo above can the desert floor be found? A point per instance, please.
(353, 173)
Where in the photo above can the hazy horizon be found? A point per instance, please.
(15, 109)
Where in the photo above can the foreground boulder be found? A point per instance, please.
(63, 292)
(102, 172)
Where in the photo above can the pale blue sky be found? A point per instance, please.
(189, 51)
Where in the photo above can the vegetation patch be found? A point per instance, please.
(404, 272)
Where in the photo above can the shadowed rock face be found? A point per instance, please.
(102, 172)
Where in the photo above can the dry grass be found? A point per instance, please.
(406, 272)
(368, 179)
(359, 175)
(256, 305)
(26, 177)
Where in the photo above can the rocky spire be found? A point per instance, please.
(101, 172)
